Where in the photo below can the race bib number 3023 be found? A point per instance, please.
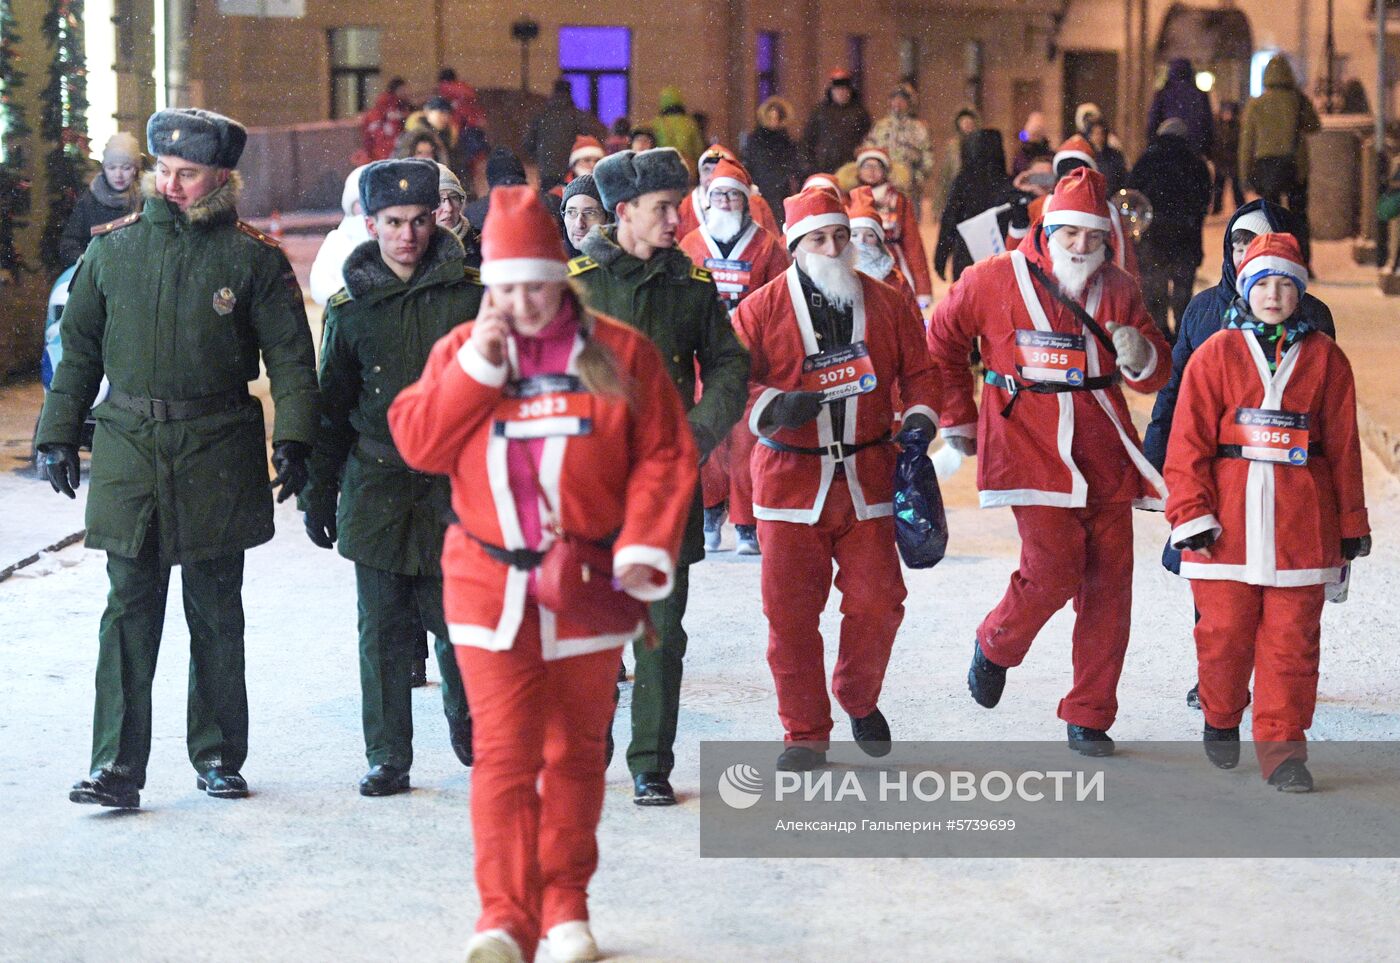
(1051, 357)
(546, 406)
(1265, 434)
(839, 373)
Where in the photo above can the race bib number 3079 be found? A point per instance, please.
(1265, 434)
(839, 373)
(1051, 357)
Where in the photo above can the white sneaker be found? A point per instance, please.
(493, 946)
(572, 942)
(747, 540)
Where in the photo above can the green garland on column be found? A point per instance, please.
(64, 122)
(14, 186)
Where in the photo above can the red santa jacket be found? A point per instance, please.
(633, 475)
(1278, 524)
(756, 258)
(1124, 250)
(775, 325)
(915, 318)
(692, 204)
(381, 125)
(1025, 458)
(901, 235)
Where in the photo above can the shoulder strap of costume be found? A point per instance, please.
(1082, 316)
(580, 264)
(99, 229)
(258, 235)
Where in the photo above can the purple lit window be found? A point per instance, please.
(766, 46)
(597, 62)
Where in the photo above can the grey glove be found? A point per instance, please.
(62, 468)
(962, 444)
(791, 409)
(1134, 351)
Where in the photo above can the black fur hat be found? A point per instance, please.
(627, 175)
(198, 136)
(387, 183)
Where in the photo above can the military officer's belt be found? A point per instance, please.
(182, 410)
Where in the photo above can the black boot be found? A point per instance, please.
(652, 789)
(801, 759)
(459, 731)
(872, 733)
(1193, 698)
(222, 783)
(385, 780)
(985, 679)
(1222, 746)
(106, 788)
(1291, 776)
(1089, 742)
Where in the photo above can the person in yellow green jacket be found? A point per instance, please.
(675, 127)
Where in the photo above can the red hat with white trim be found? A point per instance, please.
(863, 214)
(730, 176)
(812, 210)
(584, 148)
(1272, 254)
(823, 182)
(520, 241)
(1076, 148)
(1080, 200)
(870, 152)
(716, 153)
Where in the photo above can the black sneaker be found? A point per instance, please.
(106, 788)
(1222, 746)
(222, 783)
(1292, 776)
(652, 789)
(1089, 742)
(985, 679)
(801, 759)
(1193, 698)
(872, 733)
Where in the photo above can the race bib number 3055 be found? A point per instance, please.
(1051, 357)
(544, 407)
(1265, 434)
(839, 373)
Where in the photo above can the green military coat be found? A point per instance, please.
(377, 337)
(675, 304)
(177, 307)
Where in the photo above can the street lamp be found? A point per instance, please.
(525, 31)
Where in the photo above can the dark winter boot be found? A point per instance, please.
(872, 733)
(1222, 746)
(1292, 776)
(105, 788)
(1089, 742)
(800, 759)
(1193, 698)
(459, 731)
(714, 523)
(985, 679)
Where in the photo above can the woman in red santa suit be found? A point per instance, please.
(564, 440)
(694, 204)
(741, 256)
(1267, 504)
(1060, 330)
(900, 220)
(827, 347)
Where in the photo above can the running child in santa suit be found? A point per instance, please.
(741, 256)
(1056, 441)
(827, 347)
(1267, 506)
(550, 420)
(900, 220)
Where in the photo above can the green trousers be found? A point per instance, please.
(656, 689)
(129, 641)
(394, 611)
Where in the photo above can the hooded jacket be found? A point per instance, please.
(99, 204)
(1177, 182)
(550, 136)
(1277, 122)
(834, 132)
(675, 127)
(980, 184)
(1181, 98)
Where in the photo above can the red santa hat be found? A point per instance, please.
(1270, 254)
(520, 242)
(731, 176)
(823, 182)
(716, 153)
(1076, 148)
(870, 152)
(584, 148)
(1080, 200)
(863, 214)
(812, 210)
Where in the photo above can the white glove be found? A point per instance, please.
(962, 444)
(1134, 351)
(925, 302)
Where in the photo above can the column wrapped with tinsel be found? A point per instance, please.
(14, 184)
(63, 123)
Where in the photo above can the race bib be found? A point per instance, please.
(1268, 435)
(545, 406)
(731, 277)
(1051, 357)
(839, 373)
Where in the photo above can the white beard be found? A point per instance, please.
(724, 226)
(874, 260)
(834, 277)
(1074, 271)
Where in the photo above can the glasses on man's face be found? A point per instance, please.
(588, 215)
(733, 197)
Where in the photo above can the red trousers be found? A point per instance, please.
(796, 581)
(1275, 633)
(539, 737)
(726, 476)
(1079, 554)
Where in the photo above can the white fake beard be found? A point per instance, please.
(834, 277)
(724, 226)
(874, 260)
(1074, 271)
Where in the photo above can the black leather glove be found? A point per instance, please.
(1021, 211)
(320, 527)
(704, 440)
(1354, 548)
(1198, 541)
(62, 468)
(792, 409)
(920, 422)
(289, 460)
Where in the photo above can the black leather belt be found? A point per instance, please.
(1014, 387)
(522, 558)
(180, 410)
(1237, 451)
(838, 451)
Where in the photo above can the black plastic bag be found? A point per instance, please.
(920, 525)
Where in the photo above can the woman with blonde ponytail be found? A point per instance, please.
(564, 439)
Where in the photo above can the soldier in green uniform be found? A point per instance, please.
(634, 271)
(404, 289)
(174, 304)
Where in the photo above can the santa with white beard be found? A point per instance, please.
(828, 346)
(1060, 331)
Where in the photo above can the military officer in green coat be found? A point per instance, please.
(404, 289)
(175, 304)
(634, 271)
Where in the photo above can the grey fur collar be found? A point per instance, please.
(365, 270)
(601, 245)
(216, 207)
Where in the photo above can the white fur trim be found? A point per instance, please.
(652, 557)
(1270, 262)
(1074, 155)
(814, 222)
(873, 223)
(727, 183)
(759, 407)
(1017, 232)
(474, 363)
(968, 430)
(586, 152)
(873, 153)
(924, 410)
(523, 270)
(1071, 218)
(1285, 578)
(1195, 526)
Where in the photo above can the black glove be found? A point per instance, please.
(1021, 211)
(320, 527)
(704, 441)
(289, 460)
(793, 409)
(1198, 541)
(920, 422)
(1354, 548)
(62, 468)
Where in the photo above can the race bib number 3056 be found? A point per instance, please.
(544, 407)
(839, 373)
(1051, 357)
(1265, 434)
